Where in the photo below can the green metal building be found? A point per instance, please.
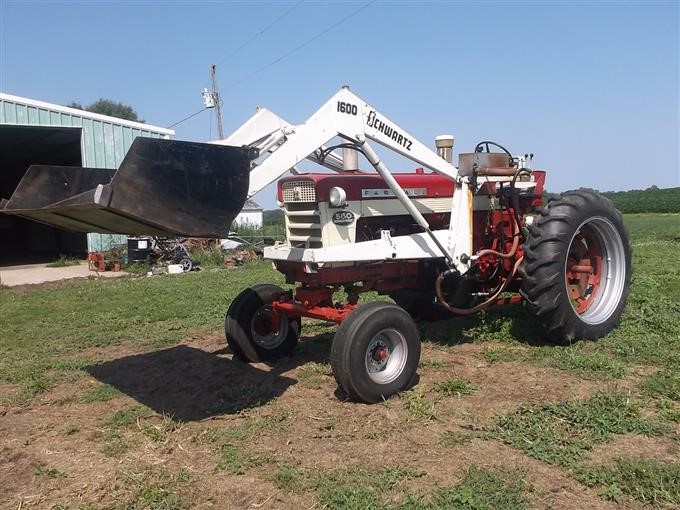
(35, 132)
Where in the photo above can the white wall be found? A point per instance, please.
(251, 219)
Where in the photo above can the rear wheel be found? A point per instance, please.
(375, 352)
(255, 331)
(577, 267)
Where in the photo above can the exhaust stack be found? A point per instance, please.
(444, 144)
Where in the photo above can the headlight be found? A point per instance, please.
(338, 197)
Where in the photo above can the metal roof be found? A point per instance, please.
(105, 140)
(51, 107)
(251, 205)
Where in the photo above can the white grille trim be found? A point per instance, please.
(298, 191)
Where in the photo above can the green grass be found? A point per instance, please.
(575, 358)
(30, 387)
(41, 327)
(154, 489)
(418, 406)
(663, 383)
(209, 258)
(450, 439)
(48, 472)
(359, 488)
(69, 430)
(498, 354)
(431, 363)
(113, 430)
(236, 461)
(479, 489)
(159, 432)
(349, 488)
(64, 261)
(288, 479)
(454, 387)
(115, 446)
(48, 335)
(231, 444)
(648, 481)
(668, 410)
(566, 432)
(315, 375)
(100, 393)
(126, 416)
(250, 429)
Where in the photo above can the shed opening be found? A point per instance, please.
(24, 241)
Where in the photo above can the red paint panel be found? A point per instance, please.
(435, 185)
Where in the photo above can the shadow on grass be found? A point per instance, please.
(190, 384)
(507, 323)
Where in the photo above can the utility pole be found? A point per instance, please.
(217, 100)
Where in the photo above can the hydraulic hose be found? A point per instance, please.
(515, 242)
(480, 306)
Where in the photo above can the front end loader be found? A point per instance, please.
(162, 187)
(440, 241)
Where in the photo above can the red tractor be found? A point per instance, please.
(441, 240)
(454, 242)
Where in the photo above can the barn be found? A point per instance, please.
(35, 132)
(251, 216)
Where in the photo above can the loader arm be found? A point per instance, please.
(266, 131)
(347, 116)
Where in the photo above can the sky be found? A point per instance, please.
(591, 88)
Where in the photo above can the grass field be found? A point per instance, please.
(121, 394)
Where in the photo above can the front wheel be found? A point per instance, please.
(577, 267)
(375, 352)
(255, 331)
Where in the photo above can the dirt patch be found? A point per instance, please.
(102, 452)
(636, 447)
(503, 387)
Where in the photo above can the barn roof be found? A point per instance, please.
(251, 205)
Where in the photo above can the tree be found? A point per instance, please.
(109, 107)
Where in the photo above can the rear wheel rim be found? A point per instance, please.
(268, 328)
(595, 270)
(386, 356)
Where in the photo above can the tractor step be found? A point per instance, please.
(163, 187)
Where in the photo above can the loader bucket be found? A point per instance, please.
(163, 187)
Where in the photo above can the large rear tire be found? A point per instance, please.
(577, 267)
(255, 331)
(375, 352)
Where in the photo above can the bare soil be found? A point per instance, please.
(309, 425)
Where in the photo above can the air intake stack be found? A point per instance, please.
(444, 144)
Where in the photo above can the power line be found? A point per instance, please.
(187, 118)
(258, 34)
(299, 47)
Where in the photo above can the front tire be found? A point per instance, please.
(577, 267)
(375, 352)
(255, 331)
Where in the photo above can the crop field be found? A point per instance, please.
(121, 394)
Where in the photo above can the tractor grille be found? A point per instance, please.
(303, 222)
(298, 191)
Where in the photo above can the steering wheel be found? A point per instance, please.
(485, 145)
